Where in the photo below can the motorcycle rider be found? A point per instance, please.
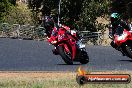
(48, 24)
(52, 29)
(115, 23)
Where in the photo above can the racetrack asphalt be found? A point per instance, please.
(31, 55)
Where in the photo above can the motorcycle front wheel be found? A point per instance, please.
(65, 56)
(129, 50)
(84, 57)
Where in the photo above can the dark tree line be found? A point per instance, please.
(80, 10)
(12, 2)
(84, 11)
(69, 8)
(123, 7)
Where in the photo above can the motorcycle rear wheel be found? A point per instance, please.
(64, 56)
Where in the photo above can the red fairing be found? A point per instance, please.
(66, 27)
(52, 38)
(119, 40)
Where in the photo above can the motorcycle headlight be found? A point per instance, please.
(119, 38)
(82, 46)
(73, 32)
(122, 37)
(79, 43)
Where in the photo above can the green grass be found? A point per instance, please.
(59, 83)
(52, 82)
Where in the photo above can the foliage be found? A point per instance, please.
(14, 14)
(129, 9)
(45, 5)
(84, 11)
(71, 8)
(91, 10)
(4, 7)
(12, 2)
(19, 15)
(81, 10)
(123, 7)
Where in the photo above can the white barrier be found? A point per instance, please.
(96, 36)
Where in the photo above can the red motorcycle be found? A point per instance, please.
(123, 40)
(69, 47)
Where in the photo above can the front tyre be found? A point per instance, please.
(129, 50)
(65, 56)
(84, 57)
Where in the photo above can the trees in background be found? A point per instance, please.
(84, 11)
(71, 8)
(129, 9)
(13, 2)
(4, 7)
(122, 7)
(19, 15)
(12, 13)
(91, 10)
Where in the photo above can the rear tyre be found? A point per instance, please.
(84, 57)
(67, 59)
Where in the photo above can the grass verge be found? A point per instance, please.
(50, 80)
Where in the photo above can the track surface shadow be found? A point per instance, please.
(126, 60)
(69, 65)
